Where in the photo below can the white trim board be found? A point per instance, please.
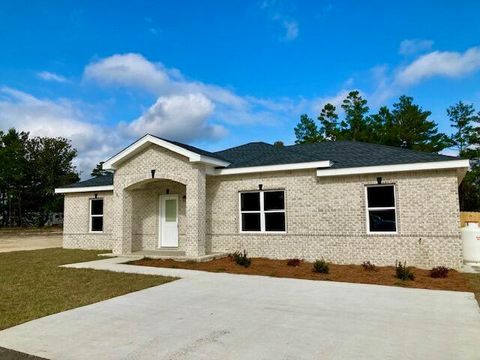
(84, 189)
(270, 168)
(451, 164)
(148, 139)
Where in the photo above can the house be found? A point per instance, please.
(346, 202)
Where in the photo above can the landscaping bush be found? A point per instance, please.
(321, 266)
(403, 272)
(439, 272)
(241, 258)
(368, 266)
(294, 262)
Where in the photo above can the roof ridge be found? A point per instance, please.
(242, 145)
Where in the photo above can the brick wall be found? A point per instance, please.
(76, 232)
(326, 218)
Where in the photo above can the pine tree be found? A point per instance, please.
(306, 131)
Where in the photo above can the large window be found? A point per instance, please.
(381, 212)
(262, 211)
(96, 215)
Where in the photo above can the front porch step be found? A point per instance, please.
(162, 252)
(472, 268)
(176, 255)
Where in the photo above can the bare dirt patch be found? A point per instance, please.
(384, 275)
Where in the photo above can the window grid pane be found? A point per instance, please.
(97, 223)
(96, 206)
(274, 200)
(381, 196)
(250, 201)
(381, 209)
(382, 221)
(262, 211)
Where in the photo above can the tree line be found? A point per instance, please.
(30, 170)
(405, 125)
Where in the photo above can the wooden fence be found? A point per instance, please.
(466, 216)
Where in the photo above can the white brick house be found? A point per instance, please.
(346, 202)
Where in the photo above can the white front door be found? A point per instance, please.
(168, 224)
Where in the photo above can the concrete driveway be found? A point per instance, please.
(13, 242)
(222, 316)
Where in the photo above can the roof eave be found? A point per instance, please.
(433, 165)
(83, 189)
(271, 168)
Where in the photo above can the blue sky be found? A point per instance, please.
(220, 73)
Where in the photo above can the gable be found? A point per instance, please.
(191, 153)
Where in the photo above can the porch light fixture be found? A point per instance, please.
(168, 191)
(153, 173)
(379, 180)
(96, 195)
(260, 187)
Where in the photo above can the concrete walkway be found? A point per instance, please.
(224, 316)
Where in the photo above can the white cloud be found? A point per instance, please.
(128, 70)
(414, 46)
(49, 76)
(133, 70)
(50, 118)
(291, 29)
(168, 118)
(277, 13)
(447, 64)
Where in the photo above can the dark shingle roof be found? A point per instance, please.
(343, 154)
(102, 180)
(191, 148)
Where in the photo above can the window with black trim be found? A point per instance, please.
(262, 211)
(96, 215)
(381, 210)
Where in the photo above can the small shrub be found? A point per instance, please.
(439, 272)
(403, 272)
(321, 266)
(241, 258)
(368, 266)
(294, 262)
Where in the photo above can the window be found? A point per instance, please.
(381, 212)
(96, 215)
(262, 211)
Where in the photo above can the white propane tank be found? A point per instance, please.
(471, 242)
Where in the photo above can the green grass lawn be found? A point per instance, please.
(32, 285)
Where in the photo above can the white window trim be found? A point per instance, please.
(368, 209)
(90, 216)
(262, 212)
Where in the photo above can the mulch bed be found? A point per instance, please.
(384, 275)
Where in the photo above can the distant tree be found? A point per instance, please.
(354, 126)
(278, 144)
(14, 176)
(51, 164)
(380, 125)
(306, 131)
(463, 119)
(412, 128)
(466, 139)
(98, 170)
(328, 118)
